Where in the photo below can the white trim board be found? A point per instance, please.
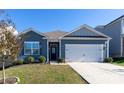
(121, 50)
(74, 38)
(59, 48)
(121, 37)
(47, 50)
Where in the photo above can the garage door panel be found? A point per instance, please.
(71, 53)
(83, 52)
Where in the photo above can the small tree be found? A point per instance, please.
(9, 47)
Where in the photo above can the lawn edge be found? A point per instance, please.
(79, 75)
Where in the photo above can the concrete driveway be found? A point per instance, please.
(99, 73)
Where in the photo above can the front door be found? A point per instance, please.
(53, 52)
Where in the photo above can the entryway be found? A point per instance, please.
(53, 51)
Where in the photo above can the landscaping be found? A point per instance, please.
(117, 61)
(44, 74)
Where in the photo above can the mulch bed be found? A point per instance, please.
(11, 80)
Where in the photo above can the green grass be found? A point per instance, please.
(44, 74)
(119, 62)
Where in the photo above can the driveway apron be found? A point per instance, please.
(99, 73)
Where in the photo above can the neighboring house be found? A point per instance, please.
(115, 30)
(82, 44)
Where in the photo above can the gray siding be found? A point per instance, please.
(83, 32)
(32, 36)
(63, 42)
(113, 31)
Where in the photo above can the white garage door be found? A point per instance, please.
(83, 52)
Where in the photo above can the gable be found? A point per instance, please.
(83, 32)
(32, 31)
(32, 36)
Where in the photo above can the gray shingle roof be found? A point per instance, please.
(54, 35)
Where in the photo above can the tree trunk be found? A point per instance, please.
(4, 77)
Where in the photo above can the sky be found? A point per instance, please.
(46, 20)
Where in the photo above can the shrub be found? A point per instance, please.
(61, 60)
(31, 59)
(42, 59)
(109, 60)
(18, 62)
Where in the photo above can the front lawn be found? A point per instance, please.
(119, 61)
(120, 64)
(44, 74)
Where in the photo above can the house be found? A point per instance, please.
(115, 30)
(81, 44)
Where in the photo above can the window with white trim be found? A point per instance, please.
(31, 48)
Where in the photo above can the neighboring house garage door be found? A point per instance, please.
(83, 52)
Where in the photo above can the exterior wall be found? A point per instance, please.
(63, 42)
(83, 32)
(32, 36)
(114, 31)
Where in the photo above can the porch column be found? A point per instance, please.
(121, 46)
(59, 48)
(47, 51)
(107, 48)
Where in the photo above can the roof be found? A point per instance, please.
(90, 29)
(114, 20)
(34, 30)
(99, 26)
(54, 35)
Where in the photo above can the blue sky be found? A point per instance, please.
(65, 19)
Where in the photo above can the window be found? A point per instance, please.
(31, 48)
(53, 50)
